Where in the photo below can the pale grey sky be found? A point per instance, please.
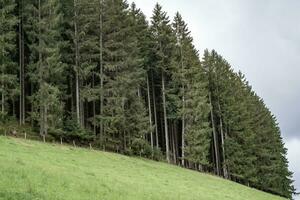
(262, 39)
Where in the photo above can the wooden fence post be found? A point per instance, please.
(25, 135)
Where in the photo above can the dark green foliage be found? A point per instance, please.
(193, 107)
(46, 69)
(8, 49)
(73, 131)
(253, 146)
(162, 51)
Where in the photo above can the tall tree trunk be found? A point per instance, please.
(215, 137)
(23, 68)
(20, 60)
(165, 116)
(2, 83)
(42, 111)
(23, 74)
(94, 110)
(225, 173)
(183, 109)
(150, 113)
(154, 110)
(3, 101)
(76, 65)
(101, 70)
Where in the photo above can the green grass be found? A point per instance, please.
(31, 170)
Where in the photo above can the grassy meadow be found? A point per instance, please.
(31, 170)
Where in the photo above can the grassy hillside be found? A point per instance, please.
(31, 171)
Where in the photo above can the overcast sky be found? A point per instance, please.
(262, 39)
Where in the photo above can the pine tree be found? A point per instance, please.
(193, 106)
(163, 49)
(46, 68)
(230, 121)
(8, 67)
(208, 64)
(85, 38)
(143, 35)
(124, 114)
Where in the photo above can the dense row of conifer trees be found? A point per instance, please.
(96, 72)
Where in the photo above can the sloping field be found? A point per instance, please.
(31, 170)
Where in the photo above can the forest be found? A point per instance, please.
(98, 72)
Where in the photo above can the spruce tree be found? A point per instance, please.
(8, 67)
(143, 36)
(193, 105)
(46, 68)
(124, 114)
(162, 53)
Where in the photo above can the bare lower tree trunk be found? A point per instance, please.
(46, 121)
(2, 101)
(82, 112)
(183, 136)
(150, 114)
(154, 109)
(176, 142)
(173, 143)
(227, 168)
(94, 110)
(41, 120)
(13, 108)
(223, 150)
(224, 167)
(31, 105)
(214, 136)
(71, 94)
(225, 173)
(165, 117)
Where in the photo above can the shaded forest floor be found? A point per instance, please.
(31, 170)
